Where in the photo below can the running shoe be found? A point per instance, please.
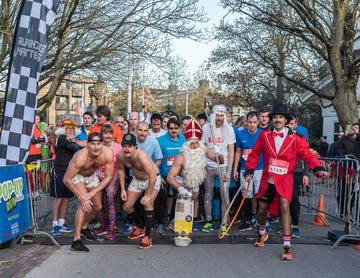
(160, 229)
(101, 231)
(295, 233)
(110, 235)
(260, 239)
(207, 228)
(56, 231)
(216, 224)
(245, 226)
(196, 226)
(97, 225)
(268, 226)
(66, 229)
(287, 253)
(279, 231)
(254, 221)
(274, 219)
(127, 229)
(171, 225)
(146, 243)
(78, 246)
(138, 233)
(223, 229)
(86, 234)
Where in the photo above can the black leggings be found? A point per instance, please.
(295, 204)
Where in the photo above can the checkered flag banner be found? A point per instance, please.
(27, 58)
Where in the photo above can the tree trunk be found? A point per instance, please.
(345, 104)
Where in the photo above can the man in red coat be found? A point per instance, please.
(280, 148)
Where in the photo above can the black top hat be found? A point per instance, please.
(280, 109)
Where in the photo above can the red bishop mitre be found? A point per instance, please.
(192, 130)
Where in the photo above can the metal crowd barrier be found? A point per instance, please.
(38, 179)
(340, 194)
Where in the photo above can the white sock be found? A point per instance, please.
(55, 223)
(61, 222)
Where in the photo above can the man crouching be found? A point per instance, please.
(81, 179)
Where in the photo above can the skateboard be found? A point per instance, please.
(183, 222)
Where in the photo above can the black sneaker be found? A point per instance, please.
(246, 226)
(274, 219)
(86, 234)
(78, 245)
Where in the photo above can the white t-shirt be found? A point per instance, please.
(223, 136)
(157, 135)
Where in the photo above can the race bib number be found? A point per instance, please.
(246, 153)
(170, 160)
(277, 166)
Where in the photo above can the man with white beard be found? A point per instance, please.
(188, 170)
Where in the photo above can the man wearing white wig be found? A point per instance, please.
(219, 137)
(188, 170)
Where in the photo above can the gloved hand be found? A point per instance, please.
(183, 191)
(216, 150)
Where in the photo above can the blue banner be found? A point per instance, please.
(14, 202)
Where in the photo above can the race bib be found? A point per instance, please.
(277, 166)
(245, 153)
(170, 160)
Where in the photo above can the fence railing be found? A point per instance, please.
(38, 179)
(340, 194)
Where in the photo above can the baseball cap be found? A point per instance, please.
(129, 139)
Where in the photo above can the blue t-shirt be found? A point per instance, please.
(151, 147)
(81, 136)
(170, 149)
(246, 142)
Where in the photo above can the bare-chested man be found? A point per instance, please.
(146, 179)
(81, 179)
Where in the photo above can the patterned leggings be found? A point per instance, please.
(108, 205)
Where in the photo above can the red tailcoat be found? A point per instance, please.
(293, 147)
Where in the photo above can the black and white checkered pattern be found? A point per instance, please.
(28, 56)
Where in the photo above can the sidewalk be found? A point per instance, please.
(21, 259)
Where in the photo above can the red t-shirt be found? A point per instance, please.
(118, 135)
(35, 148)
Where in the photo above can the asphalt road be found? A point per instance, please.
(200, 260)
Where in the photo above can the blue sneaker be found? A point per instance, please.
(196, 226)
(295, 233)
(56, 231)
(66, 229)
(254, 221)
(160, 229)
(279, 231)
(268, 226)
(127, 229)
(171, 225)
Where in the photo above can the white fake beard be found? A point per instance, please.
(194, 164)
